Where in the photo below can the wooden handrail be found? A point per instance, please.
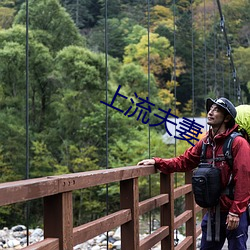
(58, 208)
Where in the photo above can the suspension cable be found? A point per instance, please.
(205, 50)
(221, 65)
(174, 61)
(149, 142)
(107, 121)
(229, 53)
(175, 94)
(27, 207)
(215, 53)
(192, 74)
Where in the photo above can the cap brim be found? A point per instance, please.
(209, 103)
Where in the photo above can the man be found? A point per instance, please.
(221, 115)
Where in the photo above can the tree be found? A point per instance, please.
(242, 64)
(78, 77)
(84, 13)
(117, 31)
(6, 17)
(40, 60)
(12, 149)
(134, 79)
(161, 16)
(42, 163)
(53, 25)
(161, 57)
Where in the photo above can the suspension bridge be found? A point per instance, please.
(56, 192)
(59, 233)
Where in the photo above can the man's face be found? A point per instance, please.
(215, 116)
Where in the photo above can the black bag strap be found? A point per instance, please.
(227, 148)
(203, 158)
(227, 151)
(203, 152)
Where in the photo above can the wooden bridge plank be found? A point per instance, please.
(190, 205)
(46, 244)
(167, 210)
(24, 190)
(154, 238)
(129, 198)
(152, 203)
(182, 218)
(58, 219)
(178, 192)
(185, 244)
(90, 230)
(100, 177)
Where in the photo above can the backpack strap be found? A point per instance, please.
(227, 151)
(203, 152)
(227, 148)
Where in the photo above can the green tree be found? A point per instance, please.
(7, 13)
(53, 25)
(117, 32)
(134, 79)
(78, 75)
(42, 163)
(6, 17)
(13, 60)
(242, 64)
(161, 57)
(161, 16)
(12, 125)
(84, 13)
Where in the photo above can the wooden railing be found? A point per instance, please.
(59, 232)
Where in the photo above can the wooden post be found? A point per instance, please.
(167, 210)
(58, 219)
(129, 197)
(190, 205)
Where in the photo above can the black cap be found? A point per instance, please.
(223, 103)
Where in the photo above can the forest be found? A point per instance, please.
(59, 69)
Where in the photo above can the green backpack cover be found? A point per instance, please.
(243, 118)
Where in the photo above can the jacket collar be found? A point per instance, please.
(221, 136)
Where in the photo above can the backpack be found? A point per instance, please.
(243, 120)
(206, 179)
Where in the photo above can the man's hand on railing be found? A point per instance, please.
(146, 162)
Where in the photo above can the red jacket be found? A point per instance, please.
(241, 167)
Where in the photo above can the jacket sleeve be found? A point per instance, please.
(241, 175)
(185, 162)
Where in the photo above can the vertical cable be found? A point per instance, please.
(215, 52)
(77, 13)
(221, 47)
(236, 89)
(27, 89)
(223, 80)
(106, 80)
(192, 28)
(229, 83)
(205, 52)
(149, 142)
(149, 153)
(27, 207)
(174, 59)
(175, 94)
